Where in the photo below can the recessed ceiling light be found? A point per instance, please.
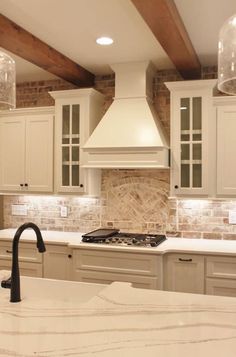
(104, 41)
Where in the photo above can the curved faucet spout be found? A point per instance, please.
(15, 274)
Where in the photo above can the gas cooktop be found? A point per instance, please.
(115, 237)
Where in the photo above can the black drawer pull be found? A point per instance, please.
(69, 256)
(8, 251)
(185, 260)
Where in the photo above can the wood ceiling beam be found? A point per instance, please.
(23, 44)
(164, 20)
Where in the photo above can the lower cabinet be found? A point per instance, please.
(56, 262)
(221, 276)
(30, 261)
(221, 287)
(184, 273)
(104, 267)
(108, 278)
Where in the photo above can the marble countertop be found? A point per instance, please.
(48, 236)
(171, 245)
(118, 321)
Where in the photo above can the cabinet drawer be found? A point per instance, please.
(142, 282)
(125, 263)
(221, 267)
(27, 269)
(27, 251)
(221, 287)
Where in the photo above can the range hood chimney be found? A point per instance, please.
(130, 134)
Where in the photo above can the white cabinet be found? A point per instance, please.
(102, 266)
(26, 150)
(77, 114)
(221, 276)
(191, 112)
(184, 273)
(225, 145)
(56, 262)
(30, 260)
(221, 287)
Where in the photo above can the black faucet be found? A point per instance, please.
(14, 282)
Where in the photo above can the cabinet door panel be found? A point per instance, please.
(31, 269)
(27, 251)
(221, 287)
(77, 113)
(108, 278)
(221, 267)
(27, 269)
(39, 153)
(56, 262)
(120, 262)
(12, 149)
(226, 148)
(191, 110)
(184, 273)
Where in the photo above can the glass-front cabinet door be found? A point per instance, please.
(191, 142)
(77, 112)
(191, 109)
(70, 147)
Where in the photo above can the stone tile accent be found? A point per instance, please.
(136, 200)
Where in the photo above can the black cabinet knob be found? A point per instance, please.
(81, 185)
(21, 185)
(176, 186)
(26, 185)
(69, 256)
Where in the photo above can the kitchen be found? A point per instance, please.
(141, 200)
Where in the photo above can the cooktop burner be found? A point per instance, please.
(114, 237)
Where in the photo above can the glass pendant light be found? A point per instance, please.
(227, 57)
(7, 82)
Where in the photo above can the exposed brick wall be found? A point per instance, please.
(35, 94)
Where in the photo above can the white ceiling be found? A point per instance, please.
(72, 26)
(203, 20)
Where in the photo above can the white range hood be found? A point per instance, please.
(130, 134)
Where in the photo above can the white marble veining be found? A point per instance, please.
(171, 245)
(118, 321)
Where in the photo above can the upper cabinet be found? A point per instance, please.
(26, 150)
(77, 111)
(225, 122)
(191, 111)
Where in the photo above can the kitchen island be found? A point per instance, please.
(114, 320)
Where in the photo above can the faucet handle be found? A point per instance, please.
(6, 284)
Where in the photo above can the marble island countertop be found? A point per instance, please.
(171, 245)
(116, 320)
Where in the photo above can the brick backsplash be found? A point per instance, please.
(131, 200)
